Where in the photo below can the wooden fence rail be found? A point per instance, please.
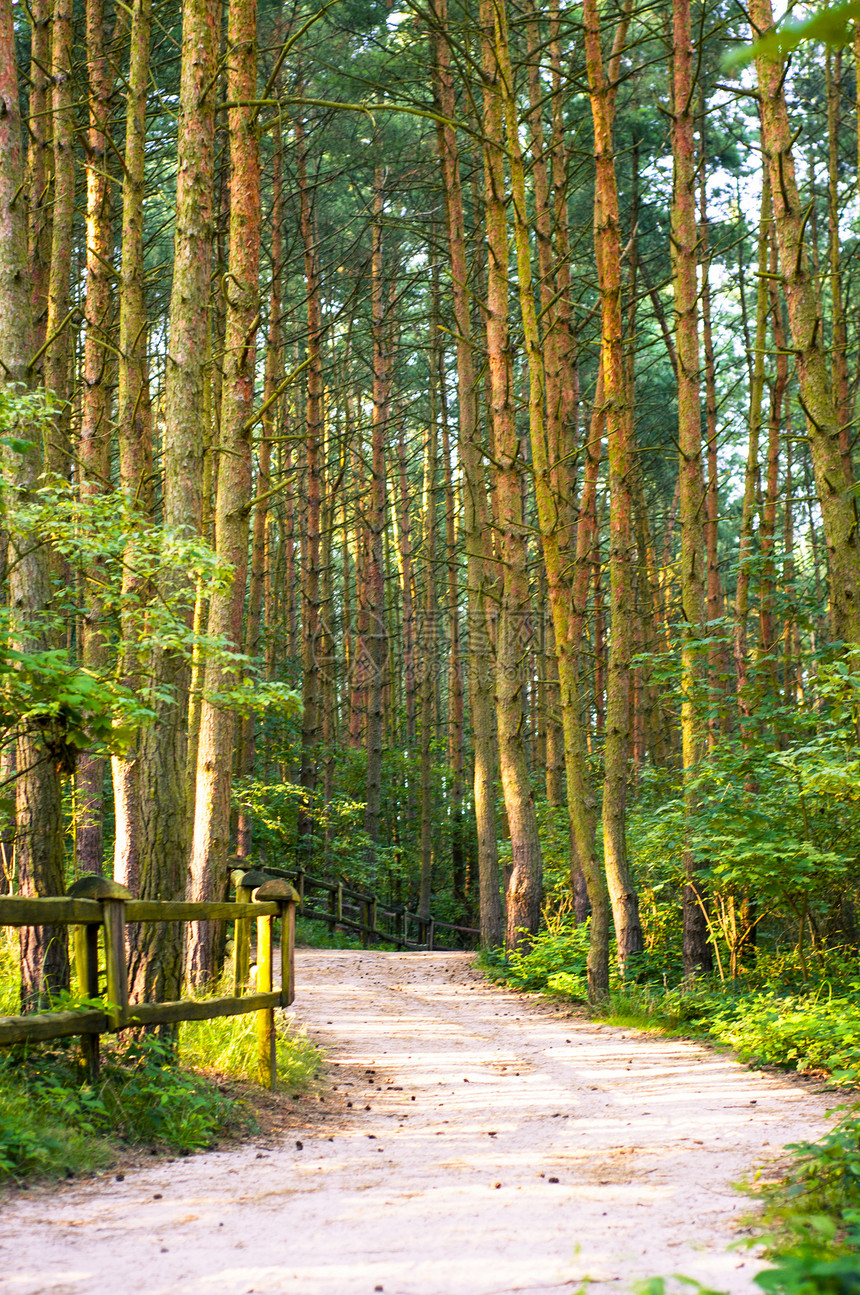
(96, 904)
(355, 910)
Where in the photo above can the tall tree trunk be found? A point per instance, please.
(156, 969)
(257, 574)
(547, 448)
(716, 651)
(684, 245)
(376, 638)
(59, 332)
(358, 660)
(839, 340)
(40, 166)
(428, 650)
(526, 880)
(563, 305)
(39, 837)
(95, 430)
(768, 635)
(134, 426)
(583, 805)
(475, 510)
(745, 551)
(311, 692)
(838, 507)
(407, 592)
(211, 838)
(456, 739)
(625, 904)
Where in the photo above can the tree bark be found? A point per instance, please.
(39, 836)
(156, 965)
(692, 512)
(59, 331)
(838, 507)
(553, 508)
(95, 430)
(211, 836)
(40, 166)
(134, 426)
(428, 652)
(625, 904)
(376, 635)
(259, 548)
(717, 656)
(525, 884)
(311, 629)
(475, 509)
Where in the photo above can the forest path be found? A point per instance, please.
(494, 1144)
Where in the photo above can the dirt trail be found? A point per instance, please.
(493, 1145)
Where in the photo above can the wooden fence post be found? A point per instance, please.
(373, 920)
(284, 895)
(87, 967)
(332, 909)
(116, 966)
(267, 1067)
(431, 935)
(86, 951)
(340, 901)
(288, 952)
(245, 882)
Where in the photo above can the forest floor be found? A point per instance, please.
(469, 1140)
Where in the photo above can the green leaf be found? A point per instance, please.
(829, 26)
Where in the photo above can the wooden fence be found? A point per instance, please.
(340, 906)
(95, 904)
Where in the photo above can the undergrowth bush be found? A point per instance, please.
(53, 1124)
(556, 960)
(312, 934)
(816, 1031)
(812, 1218)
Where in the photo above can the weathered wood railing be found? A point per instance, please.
(95, 903)
(355, 910)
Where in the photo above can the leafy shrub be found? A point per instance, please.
(814, 1217)
(312, 934)
(42, 1137)
(150, 1099)
(52, 1124)
(556, 961)
(800, 1032)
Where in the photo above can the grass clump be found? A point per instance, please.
(228, 1046)
(9, 972)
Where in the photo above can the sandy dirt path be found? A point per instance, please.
(476, 1142)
